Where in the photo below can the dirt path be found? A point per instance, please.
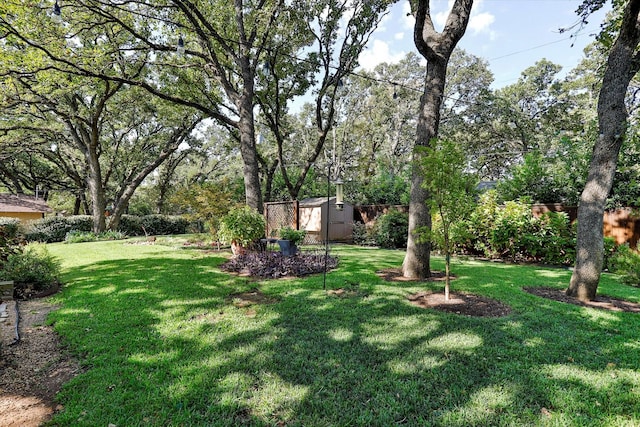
(33, 369)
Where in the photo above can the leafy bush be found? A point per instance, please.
(477, 231)
(112, 235)
(242, 225)
(552, 240)
(363, 235)
(294, 236)
(131, 225)
(164, 224)
(75, 236)
(513, 221)
(10, 227)
(512, 231)
(34, 266)
(384, 188)
(82, 236)
(392, 229)
(626, 263)
(55, 229)
(205, 203)
(532, 179)
(10, 242)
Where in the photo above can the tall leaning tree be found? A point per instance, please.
(436, 47)
(622, 65)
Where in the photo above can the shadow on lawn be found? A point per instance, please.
(317, 359)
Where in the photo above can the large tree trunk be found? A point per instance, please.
(250, 168)
(96, 190)
(417, 260)
(436, 48)
(247, 130)
(622, 65)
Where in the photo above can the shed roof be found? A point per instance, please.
(313, 202)
(22, 203)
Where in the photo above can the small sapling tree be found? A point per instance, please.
(452, 196)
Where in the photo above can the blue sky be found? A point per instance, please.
(511, 35)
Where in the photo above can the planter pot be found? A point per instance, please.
(287, 248)
(238, 249)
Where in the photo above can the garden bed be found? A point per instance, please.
(274, 265)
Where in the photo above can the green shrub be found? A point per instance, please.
(511, 231)
(294, 236)
(132, 225)
(10, 241)
(55, 229)
(626, 263)
(476, 232)
(392, 230)
(82, 236)
(242, 225)
(10, 227)
(34, 266)
(75, 236)
(112, 235)
(363, 235)
(552, 240)
(165, 224)
(513, 222)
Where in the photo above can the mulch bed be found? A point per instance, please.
(274, 265)
(395, 275)
(602, 302)
(460, 303)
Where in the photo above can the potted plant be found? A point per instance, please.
(241, 227)
(289, 239)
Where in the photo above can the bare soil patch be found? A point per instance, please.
(602, 302)
(251, 297)
(32, 370)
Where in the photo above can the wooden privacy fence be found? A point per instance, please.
(621, 224)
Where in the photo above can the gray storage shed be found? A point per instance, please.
(313, 219)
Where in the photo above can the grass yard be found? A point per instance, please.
(164, 345)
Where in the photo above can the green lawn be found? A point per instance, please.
(163, 346)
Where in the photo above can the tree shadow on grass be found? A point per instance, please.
(167, 346)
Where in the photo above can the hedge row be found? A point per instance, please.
(508, 231)
(132, 225)
(54, 229)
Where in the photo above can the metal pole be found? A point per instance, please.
(326, 239)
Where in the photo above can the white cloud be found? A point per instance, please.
(480, 22)
(378, 53)
(398, 36)
(382, 26)
(407, 18)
